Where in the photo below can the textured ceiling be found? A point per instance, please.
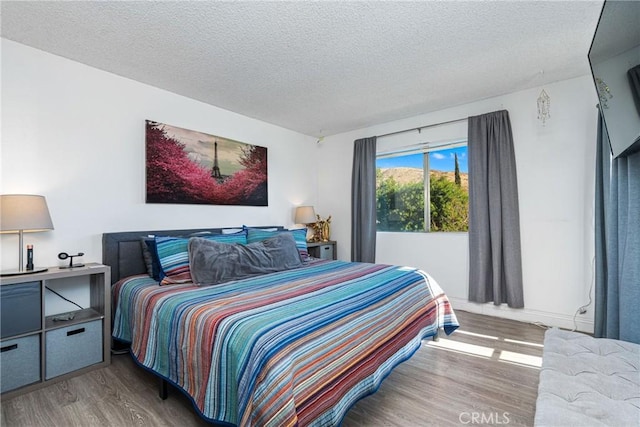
(320, 67)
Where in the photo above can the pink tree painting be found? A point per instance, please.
(189, 167)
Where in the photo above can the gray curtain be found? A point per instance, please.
(495, 265)
(603, 181)
(634, 82)
(617, 238)
(363, 201)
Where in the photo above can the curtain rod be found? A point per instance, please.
(419, 129)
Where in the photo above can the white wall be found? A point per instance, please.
(555, 179)
(75, 134)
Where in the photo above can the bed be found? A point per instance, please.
(293, 347)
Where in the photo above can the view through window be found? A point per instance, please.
(408, 199)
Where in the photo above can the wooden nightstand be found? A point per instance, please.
(323, 250)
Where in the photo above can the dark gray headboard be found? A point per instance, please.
(122, 251)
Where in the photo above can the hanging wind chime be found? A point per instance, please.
(544, 107)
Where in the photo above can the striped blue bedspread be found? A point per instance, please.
(298, 347)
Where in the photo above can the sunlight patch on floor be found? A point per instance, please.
(489, 352)
(531, 344)
(520, 359)
(461, 347)
(473, 334)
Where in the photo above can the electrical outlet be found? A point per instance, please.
(582, 310)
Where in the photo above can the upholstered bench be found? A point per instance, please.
(587, 381)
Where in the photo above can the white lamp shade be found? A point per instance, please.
(24, 212)
(305, 215)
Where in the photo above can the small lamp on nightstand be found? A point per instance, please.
(20, 213)
(306, 215)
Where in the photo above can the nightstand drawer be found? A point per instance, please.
(19, 362)
(325, 252)
(322, 250)
(73, 347)
(21, 309)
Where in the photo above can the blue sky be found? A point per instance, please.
(441, 160)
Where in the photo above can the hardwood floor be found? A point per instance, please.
(485, 372)
(462, 376)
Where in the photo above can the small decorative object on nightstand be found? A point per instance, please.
(322, 229)
(64, 255)
(323, 250)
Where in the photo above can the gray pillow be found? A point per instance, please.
(214, 262)
(146, 254)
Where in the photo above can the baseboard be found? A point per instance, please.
(526, 315)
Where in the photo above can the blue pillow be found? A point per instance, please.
(173, 255)
(151, 257)
(299, 235)
(150, 254)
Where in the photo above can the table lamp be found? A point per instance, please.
(23, 213)
(306, 215)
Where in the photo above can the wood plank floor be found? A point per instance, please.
(484, 370)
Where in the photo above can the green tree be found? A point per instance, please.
(401, 207)
(449, 206)
(457, 171)
(410, 209)
(385, 200)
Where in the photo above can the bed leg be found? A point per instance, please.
(436, 336)
(164, 389)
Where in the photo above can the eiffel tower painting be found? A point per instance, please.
(190, 167)
(215, 171)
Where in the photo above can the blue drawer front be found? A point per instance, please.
(73, 347)
(21, 307)
(19, 362)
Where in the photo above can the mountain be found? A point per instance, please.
(406, 175)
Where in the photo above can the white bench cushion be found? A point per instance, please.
(586, 381)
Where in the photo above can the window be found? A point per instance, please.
(408, 199)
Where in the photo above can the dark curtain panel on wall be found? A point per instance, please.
(603, 181)
(363, 201)
(495, 266)
(634, 81)
(617, 232)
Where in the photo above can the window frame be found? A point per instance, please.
(425, 149)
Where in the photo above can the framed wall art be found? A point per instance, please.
(190, 167)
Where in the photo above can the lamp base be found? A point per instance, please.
(4, 273)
